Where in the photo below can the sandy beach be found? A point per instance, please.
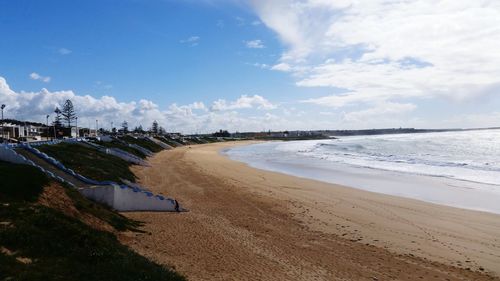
(250, 224)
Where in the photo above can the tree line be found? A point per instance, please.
(66, 116)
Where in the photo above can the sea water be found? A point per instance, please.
(460, 169)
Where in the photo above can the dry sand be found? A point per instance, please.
(250, 224)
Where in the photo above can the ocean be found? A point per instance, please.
(460, 169)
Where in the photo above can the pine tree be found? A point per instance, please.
(154, 128)
(68, 112)
(125, 127)
(138, 130)
(57, 120)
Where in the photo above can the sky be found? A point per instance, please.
(197, 66)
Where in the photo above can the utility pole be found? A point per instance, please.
(55, 136)
(96, 127)
(48, 131)
(77, 131)
(3, 128)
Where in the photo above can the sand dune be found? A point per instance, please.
(249, 224)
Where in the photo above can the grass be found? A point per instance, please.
(147, 144)
(116, 144)
(89, 162)
(60, 247)
(210, 140)
(20, 182)
(195, 141)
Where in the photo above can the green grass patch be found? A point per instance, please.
(195, 141)
(90, 162)
(20, 182)
(147, 144)
(63, 248)
(210, 140)
(60, 247)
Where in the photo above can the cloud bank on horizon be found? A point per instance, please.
(191, 118)
(385, 63)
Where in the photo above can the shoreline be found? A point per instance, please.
(441, 190)
(249, 222)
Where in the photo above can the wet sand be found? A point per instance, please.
(250, 224)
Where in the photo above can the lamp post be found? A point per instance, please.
(55, 135)
(3, 128)
(48, 131)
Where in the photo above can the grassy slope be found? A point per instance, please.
(147, 144)
(167, 141)
(61, 247)
(90, 162)
(116, 144)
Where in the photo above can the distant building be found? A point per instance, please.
(27, 132)
(66, 132)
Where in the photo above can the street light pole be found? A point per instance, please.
(3, 128)
(48, 130)
(55, 135)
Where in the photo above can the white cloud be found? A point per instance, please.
(64, 51)
(255, 44)
(381, 110)
(190, 118)
(285, 67)
(244, 101)
(240, 21)
(383, 50)
(192, 41)
(36, 76)
(260, 65)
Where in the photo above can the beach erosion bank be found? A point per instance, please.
(245, 223)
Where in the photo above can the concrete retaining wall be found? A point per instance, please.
(124, 155)
(143, 150)
(123, 198)
(160, 143)
(63, 168)
(119, 197)
(129, 157)
(7, 154)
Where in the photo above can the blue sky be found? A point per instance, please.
(252, 65)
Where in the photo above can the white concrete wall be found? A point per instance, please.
(104, 195)
(160, 143)
(128, 199)
(143, 150)
(9, 155)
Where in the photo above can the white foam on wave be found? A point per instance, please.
(459, 169)
(471, 156)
